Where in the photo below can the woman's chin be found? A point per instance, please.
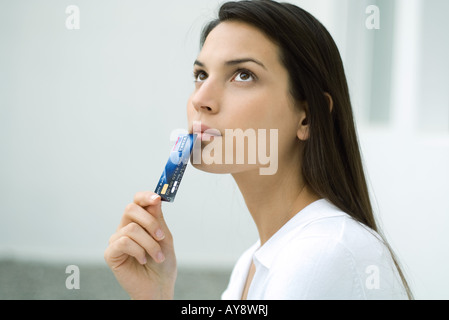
(224, 168)
(213, 168)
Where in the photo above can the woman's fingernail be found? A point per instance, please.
(144, 260)
(160, 234)
(154, 197)
(160, 256)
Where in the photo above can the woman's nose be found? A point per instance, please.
(206, 97)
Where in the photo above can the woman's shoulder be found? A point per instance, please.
(333, 255)
(324, 221)
(337, 228)
(330, 230)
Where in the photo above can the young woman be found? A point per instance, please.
(265, 65)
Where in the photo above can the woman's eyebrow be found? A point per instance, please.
(242, 60)
(234, 62)
(198, 63)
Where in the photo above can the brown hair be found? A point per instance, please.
(332, 165)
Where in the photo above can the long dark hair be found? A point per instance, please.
(332, 165)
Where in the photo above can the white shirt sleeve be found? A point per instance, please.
(325, 268)
(320, 254)
(315, 268)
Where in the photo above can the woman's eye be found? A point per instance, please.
(200, 76)
(243, 76)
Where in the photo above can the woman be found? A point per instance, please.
(264, 65)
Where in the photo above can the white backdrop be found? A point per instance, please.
(86, 117)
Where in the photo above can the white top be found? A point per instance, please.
(320, 253)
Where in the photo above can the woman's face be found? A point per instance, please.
(242, 88)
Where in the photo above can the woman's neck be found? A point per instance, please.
(272, 200)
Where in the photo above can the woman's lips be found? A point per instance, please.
(204, 132)
(206, 136)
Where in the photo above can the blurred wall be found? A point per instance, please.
(86, 117)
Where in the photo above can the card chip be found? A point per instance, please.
(170, 179)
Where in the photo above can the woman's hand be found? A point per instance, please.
(141, 253)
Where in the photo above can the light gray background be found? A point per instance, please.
(86, 117)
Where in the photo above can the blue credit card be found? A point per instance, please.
(176, 165)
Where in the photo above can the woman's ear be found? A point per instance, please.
(303, 124)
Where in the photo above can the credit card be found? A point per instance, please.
(176, 165)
